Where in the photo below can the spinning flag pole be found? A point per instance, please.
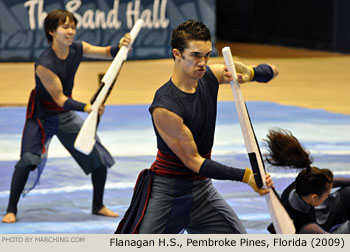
(281, 220)
(86, 138)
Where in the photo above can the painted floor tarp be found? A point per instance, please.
(62, 201)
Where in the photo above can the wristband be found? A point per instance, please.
(263, 73)
(252, 73)
(246, 176)
(87, 107)
(71, 104)
(215, 170)
(114, 50)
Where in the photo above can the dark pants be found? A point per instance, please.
(333, 214)
(28, 169)
(176, 205)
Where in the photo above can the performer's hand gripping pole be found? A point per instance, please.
(86, 138)
(280, 218)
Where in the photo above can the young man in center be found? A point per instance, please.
(180, 195)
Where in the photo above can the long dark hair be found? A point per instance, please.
(285, 150)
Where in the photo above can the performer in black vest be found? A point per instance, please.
(51, 112)
(177, 194)
(308, 200)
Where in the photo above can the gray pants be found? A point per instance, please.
(176, 205)
(342, 228)
(66, 127)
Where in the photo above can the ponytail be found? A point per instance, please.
(285, 150)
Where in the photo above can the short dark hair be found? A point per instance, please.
(189, 30)
(56, 18)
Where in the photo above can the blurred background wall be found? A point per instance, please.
(312, 24)
(100, 22)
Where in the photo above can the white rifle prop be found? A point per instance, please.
(280, 218)
(86, 138)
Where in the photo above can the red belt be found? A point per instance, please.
(169, 165)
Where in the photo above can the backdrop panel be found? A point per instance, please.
(100, 22)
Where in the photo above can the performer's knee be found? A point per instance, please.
(28, 161)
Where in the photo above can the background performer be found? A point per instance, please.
(308, 200)
(51, 112)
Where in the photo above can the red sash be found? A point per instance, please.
(171, 166)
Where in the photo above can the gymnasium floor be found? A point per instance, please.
(310, 98)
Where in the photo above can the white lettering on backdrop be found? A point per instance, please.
(98, 19)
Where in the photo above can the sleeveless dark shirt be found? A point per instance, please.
(198, 111)
(300, 218)
(64, 69)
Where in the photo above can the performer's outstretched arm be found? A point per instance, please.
(245, 73)
(105, 52)
(180, 140)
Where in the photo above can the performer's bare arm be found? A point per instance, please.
(178, 137)
(103, 52)
(243, 72)
(312, 228)
(341, 182)
(180, 140)
(52, 84)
